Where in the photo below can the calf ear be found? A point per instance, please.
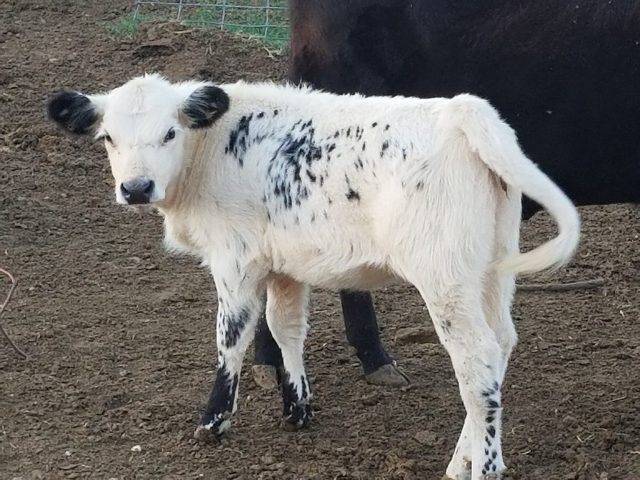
(204, 106)
(73, 111)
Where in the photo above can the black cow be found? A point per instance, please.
(565, 75)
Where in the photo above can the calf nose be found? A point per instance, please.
(137, 190)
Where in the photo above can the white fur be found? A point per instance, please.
(438, 207)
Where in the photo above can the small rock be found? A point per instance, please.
(136, 448)
(267, 459)
(369, 400)
(425, 437)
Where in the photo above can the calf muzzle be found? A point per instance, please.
(137, 190)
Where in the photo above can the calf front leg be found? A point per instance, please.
(238, 311)
(287, 320)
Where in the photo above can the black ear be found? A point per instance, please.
(204, 106)
(73, 111)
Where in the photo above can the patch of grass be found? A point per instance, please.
(126, 26)
(254, 20)
(271, 26)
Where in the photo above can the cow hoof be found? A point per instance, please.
(265, 376)
(299, 418)
(205, 435)
(211, 429)
(388, 375)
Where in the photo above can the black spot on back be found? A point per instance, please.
(352, 195)
(238, 137)
(385, 146)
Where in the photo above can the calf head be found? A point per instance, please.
(145, 126)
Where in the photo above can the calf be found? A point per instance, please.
(563, 74)
(277, 188)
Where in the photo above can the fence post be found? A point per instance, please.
(137, 8)
(179, 10)
(266, 27)
(224, 13)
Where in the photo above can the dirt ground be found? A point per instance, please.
(120, 335)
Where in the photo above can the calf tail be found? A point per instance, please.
(495, 143)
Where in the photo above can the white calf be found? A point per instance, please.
(277, 188)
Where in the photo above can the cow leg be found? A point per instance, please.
(267, 356)
(498, 295)
(477, 359)
(459, 467)
(238, 312)
(362, 331)
(287, 319)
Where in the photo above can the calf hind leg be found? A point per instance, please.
(498, 294)
(287, 320)
(477, 359)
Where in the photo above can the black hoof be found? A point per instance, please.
(299, 417)
(205, 435)
(388, 375)
(212, 427)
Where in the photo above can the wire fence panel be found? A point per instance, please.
(265, 19)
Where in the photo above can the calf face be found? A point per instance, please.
(143, 125)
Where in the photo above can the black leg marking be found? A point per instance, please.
(220, 405)
(491, 395)
(296, 410)
(233, 325)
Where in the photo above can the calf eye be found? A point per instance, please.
(171, 134)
